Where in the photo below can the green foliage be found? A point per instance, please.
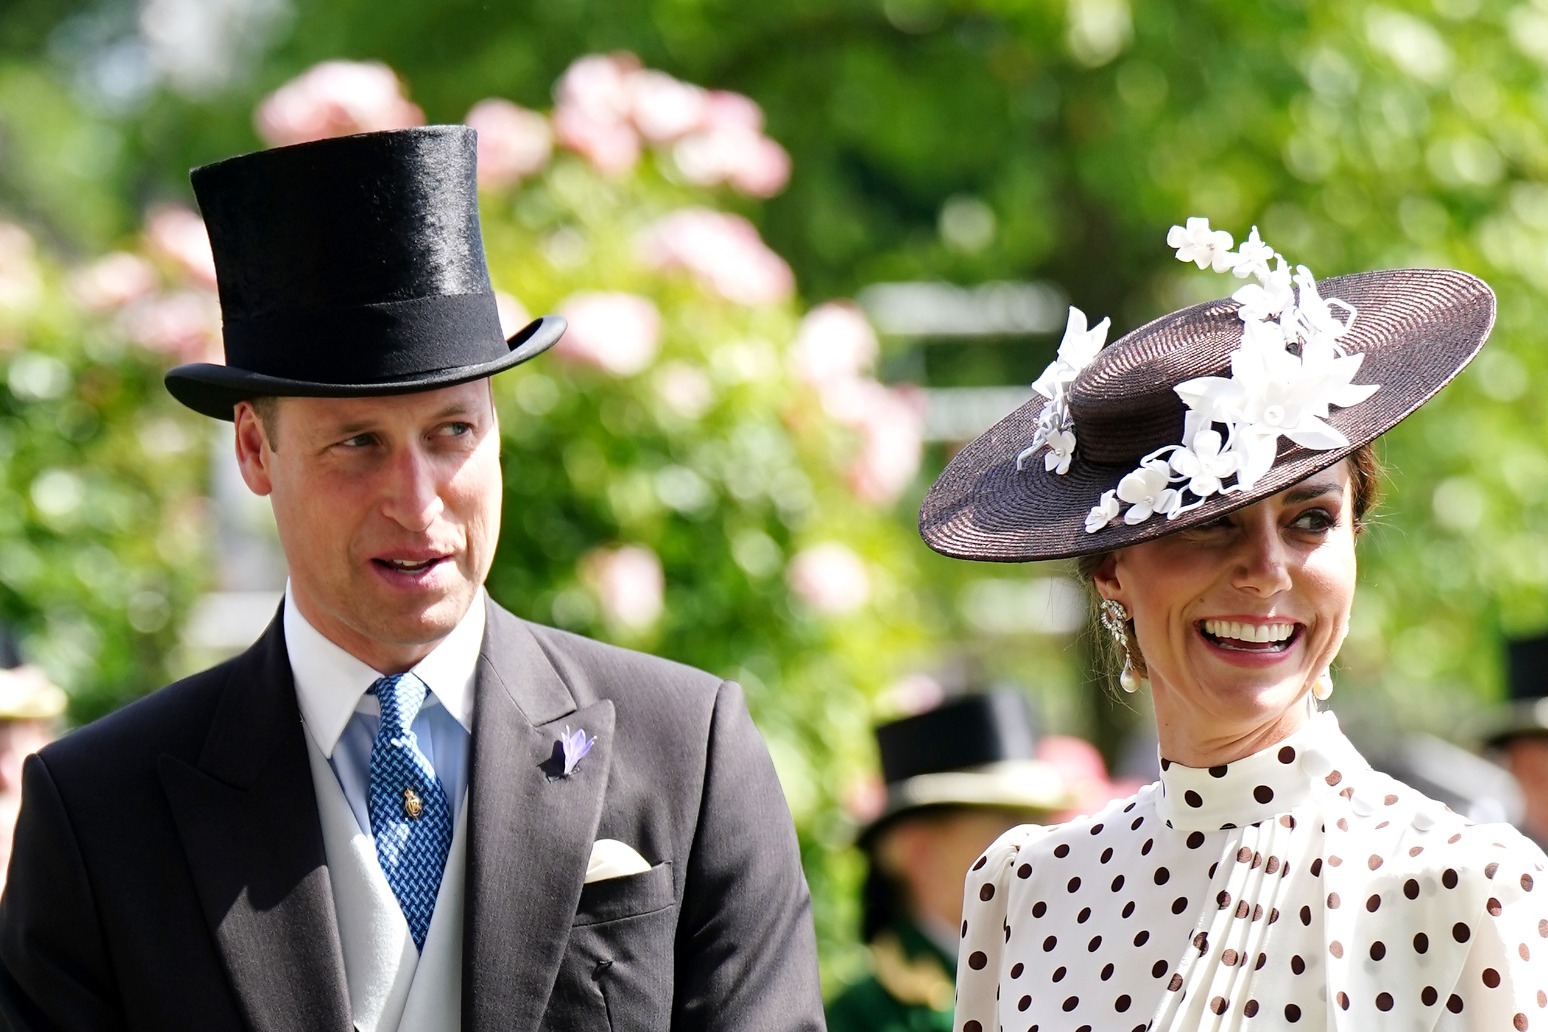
(101, 539)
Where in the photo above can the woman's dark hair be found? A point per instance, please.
(1365, 491)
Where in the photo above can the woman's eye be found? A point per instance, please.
(1315, 519)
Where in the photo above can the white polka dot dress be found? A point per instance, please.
(1296, 888)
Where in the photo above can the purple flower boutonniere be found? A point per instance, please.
(571, 748)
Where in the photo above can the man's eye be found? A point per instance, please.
(358, 441)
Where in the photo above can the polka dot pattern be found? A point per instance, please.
(1397, 913)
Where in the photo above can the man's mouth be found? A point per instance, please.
(1238, 636)
(409, 565)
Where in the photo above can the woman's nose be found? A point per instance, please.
(1261, 563)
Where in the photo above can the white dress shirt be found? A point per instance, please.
(342, 719)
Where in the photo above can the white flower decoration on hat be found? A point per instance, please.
(1054, 426)
(1288, 372)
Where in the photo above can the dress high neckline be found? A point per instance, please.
(1265, 784)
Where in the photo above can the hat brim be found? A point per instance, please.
(27, 694)
(1525, 718)
(214, 390)
(1417, 329)
(1029, 786)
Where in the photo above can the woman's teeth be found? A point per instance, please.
(1261, 634)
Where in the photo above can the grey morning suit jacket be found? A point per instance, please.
(169, 870)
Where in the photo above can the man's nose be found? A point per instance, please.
(412, 497)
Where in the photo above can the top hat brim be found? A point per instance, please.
(1030, 787)
(214, 390)
(1417, 329)
(1520, 719)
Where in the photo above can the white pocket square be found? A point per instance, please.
(613, 859)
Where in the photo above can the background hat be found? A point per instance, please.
(1526, 710)
(975, 750)
(25, 692)
(1416, 328)
(351, 266)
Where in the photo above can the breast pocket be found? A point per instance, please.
(630, 896)
(617, 972)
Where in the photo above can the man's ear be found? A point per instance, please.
(1106, 578)
(253, 453)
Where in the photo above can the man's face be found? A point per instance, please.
(388, 511)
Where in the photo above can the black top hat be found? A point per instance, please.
(976, 750)
(1416, 329)
(1526, 711)
(351, 266)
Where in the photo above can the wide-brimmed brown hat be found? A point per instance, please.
(1416, 328)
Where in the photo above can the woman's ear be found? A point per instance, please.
(1106, 578)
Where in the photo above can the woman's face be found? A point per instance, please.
(1237, 617)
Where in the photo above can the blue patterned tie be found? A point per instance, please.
(409, 815)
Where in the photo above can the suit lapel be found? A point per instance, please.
(247, 815)
(529, 835)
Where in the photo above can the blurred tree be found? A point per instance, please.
(101, 539)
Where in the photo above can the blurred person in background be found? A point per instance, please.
(403, 807)
(957, 776)
(1211, 471)
(31, 707)
(1519, 733)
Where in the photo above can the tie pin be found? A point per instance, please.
(413, 806)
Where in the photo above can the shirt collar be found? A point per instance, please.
(1313, 761)
(331, 684)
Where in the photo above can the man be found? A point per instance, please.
(958, 776)
(30, 708)
(1520, 732)
(403, 807)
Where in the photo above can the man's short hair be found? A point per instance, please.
(267, 409)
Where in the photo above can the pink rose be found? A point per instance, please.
(598, 85)
(891, 426)
(177, 234)
(724, 252)
(613, 331)
(835, 342)
(184, 325)
(612, 147)
(592, 111)
(512, 142)
(684, 389)
(335, 98)
(21, 284)
(628, 583)
(664, 108)
(724, 109)
(751, 162)
(830, 578)
(113, 281)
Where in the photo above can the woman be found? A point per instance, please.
(1213, 469)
